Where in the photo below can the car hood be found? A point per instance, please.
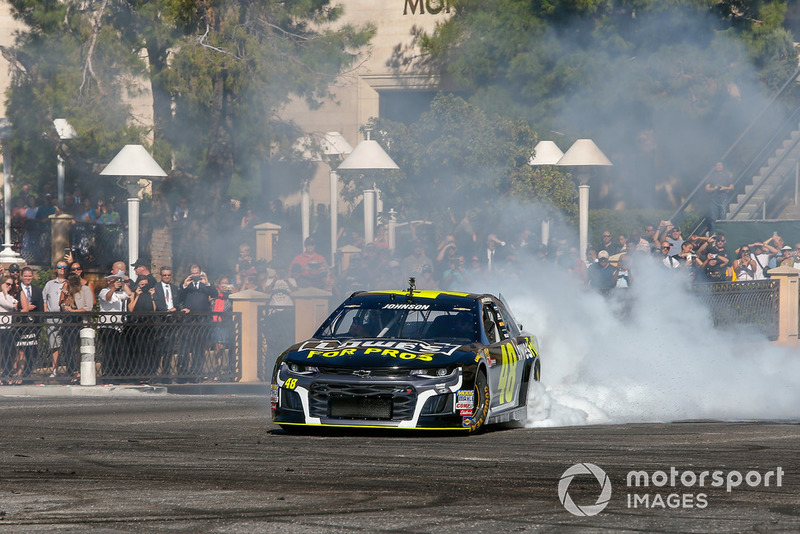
(372, 353)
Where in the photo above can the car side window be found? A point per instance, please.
(501, 323)
(490, 325)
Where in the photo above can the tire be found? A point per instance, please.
(482, 400)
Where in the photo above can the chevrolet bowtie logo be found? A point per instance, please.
(362, 373)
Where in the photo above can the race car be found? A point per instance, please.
(408, 359)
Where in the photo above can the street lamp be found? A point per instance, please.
(583, 154)
(369, 155)
(334, 146)
(545, 153)
(65, 132)
(130, 165)
(7, 255)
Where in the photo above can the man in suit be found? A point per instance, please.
(166, 298)
(195, 297)
(32, 293)
(196, 292)
(26, 337)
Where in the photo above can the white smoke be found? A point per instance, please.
(657, 360)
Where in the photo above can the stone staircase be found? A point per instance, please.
(771, 192)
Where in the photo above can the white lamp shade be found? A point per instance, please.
(313, 146)
(64, 129)
(368, 155)
(584, 152)
(545, 153)
(334, 144)
(133, 160)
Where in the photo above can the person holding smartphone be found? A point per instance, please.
(195, 296)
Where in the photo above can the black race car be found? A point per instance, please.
(409, 360)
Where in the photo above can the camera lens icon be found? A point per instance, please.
(584, 469)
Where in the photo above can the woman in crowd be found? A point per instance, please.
(75, 298)
(76, 268)
(221, 334)
(8, 304)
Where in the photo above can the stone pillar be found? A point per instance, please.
(788, 302)
(347, 252)
(248, 302)
(311, 307)
(60, 226)
(266, 237)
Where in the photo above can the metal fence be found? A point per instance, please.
(99, 244)
(94, 244)
(156, 347)
(35, 242)
(752, 303)
(275, 334)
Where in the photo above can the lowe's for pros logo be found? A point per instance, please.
(584, 469)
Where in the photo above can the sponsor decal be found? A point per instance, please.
(273, 396)
(413, 307)
(332, 348)
(466, 422)
(465, 401)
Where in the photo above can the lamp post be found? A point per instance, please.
(368, 155)
(332, 146)
(583, 154)
(545, 153)
(130, 165)
(7, 255)
(65, 132)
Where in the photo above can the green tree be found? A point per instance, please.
(220, 72)
(681, 77)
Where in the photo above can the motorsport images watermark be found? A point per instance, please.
(662, 489)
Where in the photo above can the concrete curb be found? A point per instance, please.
(122, 390)
(108, 390)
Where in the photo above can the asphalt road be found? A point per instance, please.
(182, 463)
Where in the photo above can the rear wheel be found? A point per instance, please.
(481, 403)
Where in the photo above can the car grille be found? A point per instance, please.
(362, 401)
(376, 373)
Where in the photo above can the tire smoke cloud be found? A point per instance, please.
(651, 354)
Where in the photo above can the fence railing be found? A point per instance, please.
(94, 244)
(143, 347)
(752, 303)
(99, 244)
(35, 239)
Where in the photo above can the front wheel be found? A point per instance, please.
(481, 403)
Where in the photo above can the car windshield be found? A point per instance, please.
(387, 321)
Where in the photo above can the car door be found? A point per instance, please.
(505, 359)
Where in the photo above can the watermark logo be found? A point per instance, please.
(664, 489)
(584, 469)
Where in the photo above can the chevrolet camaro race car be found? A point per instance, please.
(408, 360)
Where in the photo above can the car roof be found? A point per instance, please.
(424, 294)
(420, 293)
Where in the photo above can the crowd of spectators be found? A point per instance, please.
(68, 292)
(451, 262)
(701, 258)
